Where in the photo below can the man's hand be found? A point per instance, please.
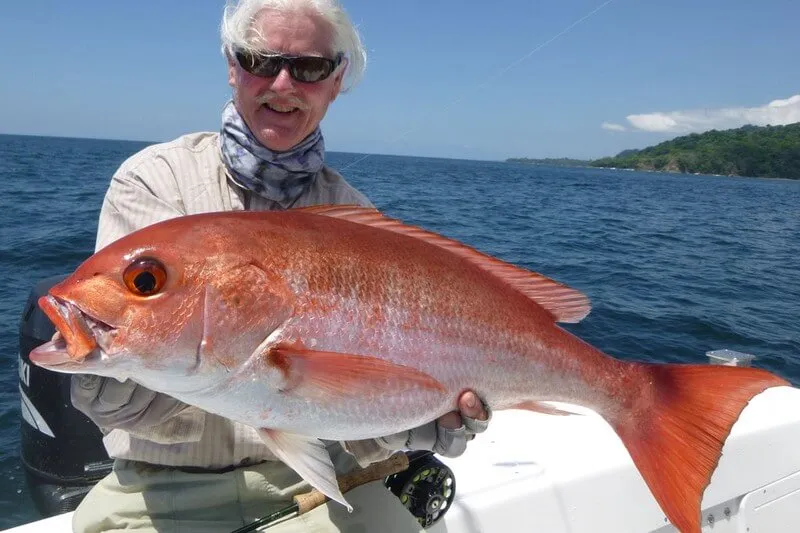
(471, 413)
(126, 405)
(448, 435)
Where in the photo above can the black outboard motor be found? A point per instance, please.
(61, 449)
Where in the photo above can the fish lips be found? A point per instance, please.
(77, 336)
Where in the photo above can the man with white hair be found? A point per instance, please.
(178, 468)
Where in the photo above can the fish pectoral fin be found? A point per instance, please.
(309, 458)
(332, 375)
(541, 407)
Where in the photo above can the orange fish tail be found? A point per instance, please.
(676, 430)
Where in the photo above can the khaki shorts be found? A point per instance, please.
(149, 499)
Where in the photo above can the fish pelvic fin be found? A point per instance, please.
(309, 458)
(676, 436)
(564, 303)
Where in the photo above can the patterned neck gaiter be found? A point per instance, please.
(278, 176)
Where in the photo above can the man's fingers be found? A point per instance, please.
(474, 414)
(472, 407)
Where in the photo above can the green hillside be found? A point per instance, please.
(769, 151)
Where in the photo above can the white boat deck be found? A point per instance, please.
(536, 473)
(573, 475)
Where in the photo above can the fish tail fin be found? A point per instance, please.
(676, 430)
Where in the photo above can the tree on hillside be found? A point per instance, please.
(758, 151)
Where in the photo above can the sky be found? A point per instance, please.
(445, 78)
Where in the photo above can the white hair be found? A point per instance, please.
(239, 16)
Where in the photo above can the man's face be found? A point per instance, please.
(281, 111)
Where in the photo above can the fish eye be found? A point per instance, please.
(145, 276)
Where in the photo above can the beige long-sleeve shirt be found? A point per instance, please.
(182, 177)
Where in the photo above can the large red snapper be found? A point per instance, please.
(338, 323)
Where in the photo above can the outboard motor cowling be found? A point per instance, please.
(61, 449)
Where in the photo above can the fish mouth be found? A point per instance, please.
(79, 335)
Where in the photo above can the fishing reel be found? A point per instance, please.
(426, 488)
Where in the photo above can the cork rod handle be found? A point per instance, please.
(392, 465)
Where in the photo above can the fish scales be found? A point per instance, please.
(336, 322)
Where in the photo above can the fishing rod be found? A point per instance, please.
(308, 501)
(500, 72)
(424, 485)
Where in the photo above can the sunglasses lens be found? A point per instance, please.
(258, 65)
(311, 69)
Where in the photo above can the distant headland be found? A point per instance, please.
(753, 151)
(551, 162)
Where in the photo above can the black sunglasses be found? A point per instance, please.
(306, 69)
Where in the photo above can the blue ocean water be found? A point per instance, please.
(674, 265)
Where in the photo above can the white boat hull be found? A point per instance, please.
(549, 474)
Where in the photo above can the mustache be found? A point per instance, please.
(269, 97)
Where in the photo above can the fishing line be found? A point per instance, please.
(500, 72)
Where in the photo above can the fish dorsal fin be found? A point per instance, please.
(564, 303)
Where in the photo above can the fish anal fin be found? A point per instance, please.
(326, 375)
(541, 407)
(564, 303)
(678, 427)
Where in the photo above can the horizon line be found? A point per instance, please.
(118, 139)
